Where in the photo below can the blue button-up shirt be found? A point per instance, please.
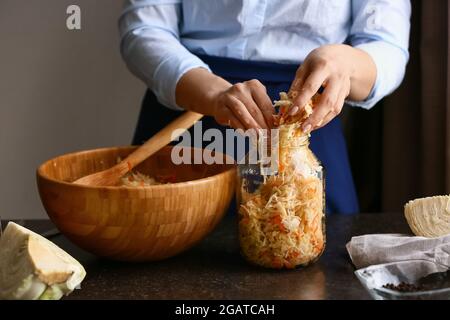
(161, 37)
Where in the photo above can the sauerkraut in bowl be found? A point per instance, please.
(138, 179)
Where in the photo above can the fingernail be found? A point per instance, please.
(306, 128)
(293, 111)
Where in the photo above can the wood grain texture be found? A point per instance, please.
(135, 224)
(111, 176)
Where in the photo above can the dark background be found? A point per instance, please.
(400, 149)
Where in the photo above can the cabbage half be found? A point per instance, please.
(429, 217)
(32, 267)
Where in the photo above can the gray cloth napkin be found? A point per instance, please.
(375, 249)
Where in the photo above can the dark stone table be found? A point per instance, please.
(214, 269)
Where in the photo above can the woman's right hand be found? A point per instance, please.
(244, 105)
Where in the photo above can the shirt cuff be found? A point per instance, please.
(371, 99)
(169, 72)
(390, 62)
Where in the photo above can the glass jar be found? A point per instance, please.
(282, 215)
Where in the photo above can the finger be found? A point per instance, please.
(235, 123)
(337, 109)
(240, 111)
(293, 111)
(326, 103)
(330, 116)
(227, 118)
(310, 87)
(254, 110)
(299, 80)
(259, 94)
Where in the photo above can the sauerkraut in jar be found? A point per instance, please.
(282, 215)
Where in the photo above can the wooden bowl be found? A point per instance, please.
(135, 224)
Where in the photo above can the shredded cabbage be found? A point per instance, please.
(282, 223)
(137, 179)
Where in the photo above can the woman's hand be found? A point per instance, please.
(243, 105)
(342, 71)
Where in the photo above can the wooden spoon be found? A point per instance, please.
(112, 176)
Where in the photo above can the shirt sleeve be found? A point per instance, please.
(381, 28)
(151, 47)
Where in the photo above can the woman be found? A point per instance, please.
(228, 59)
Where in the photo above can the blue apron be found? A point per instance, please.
(327, 143)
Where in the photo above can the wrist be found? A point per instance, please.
(349, 56)
(212, 92)
(363, 74)
(198, 90)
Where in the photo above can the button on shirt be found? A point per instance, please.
(159, 38)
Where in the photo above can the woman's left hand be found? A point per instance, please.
(335, 68)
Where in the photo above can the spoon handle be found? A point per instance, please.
(168, 134)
